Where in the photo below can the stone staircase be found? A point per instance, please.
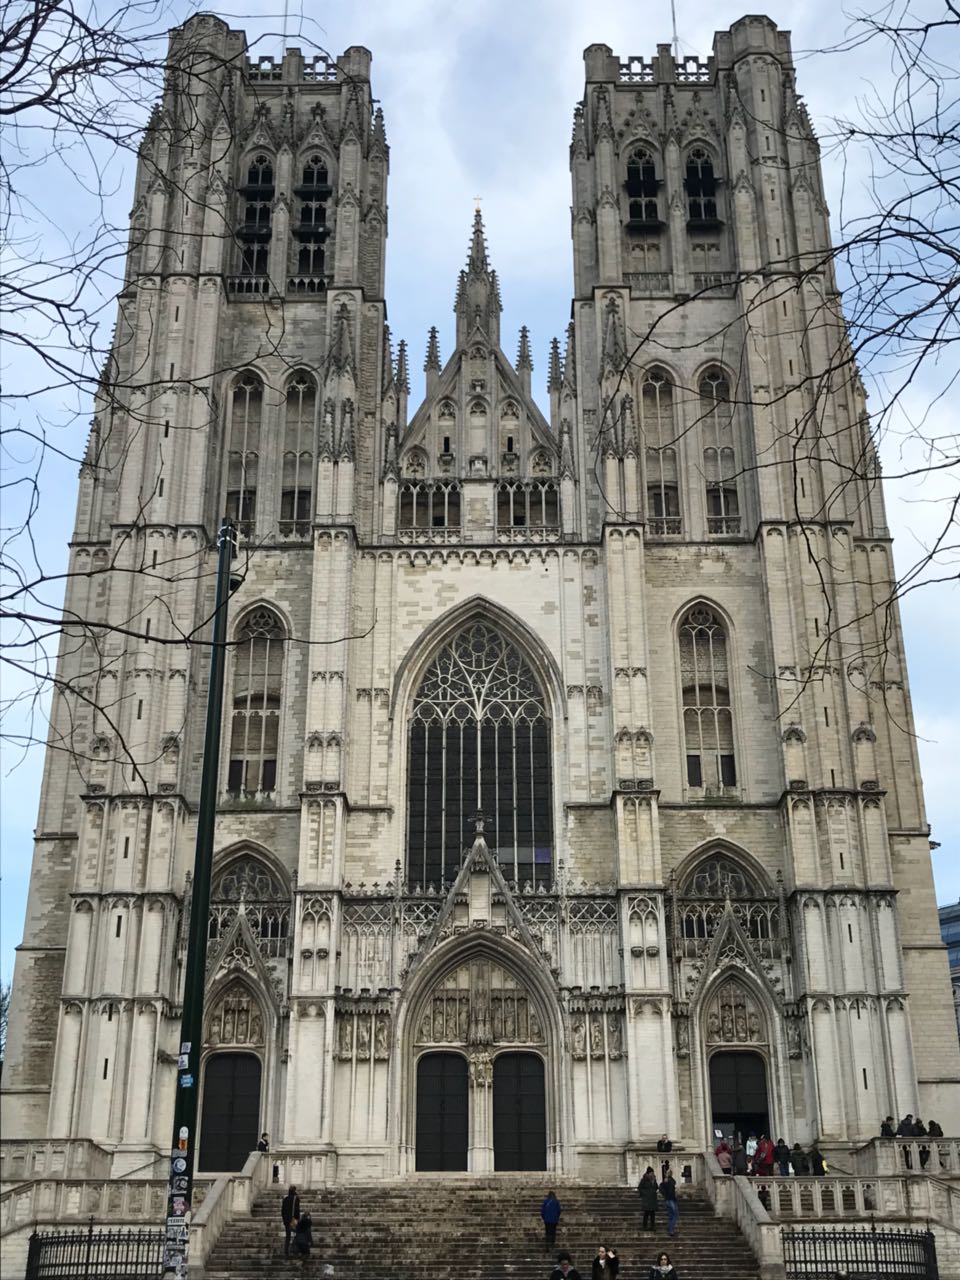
(428, 1228)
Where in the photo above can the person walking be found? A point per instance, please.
(724, 1156)
(550, 1212)
(798, 1158)
(564, 1270)
(818, 1166)
(781, 1153)
(741, 1165)
(663, 1269)
(605, 1265)
(668, 1189)
(303, 1237)
(648, 1199)
(289, 1212)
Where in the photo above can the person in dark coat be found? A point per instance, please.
(564, 1270)
(668, 1189)
(605, 1265)
(886, 1128)
(905, 1128)
(647, 1190)
(934, 1130)
(550, 1212)
(740, 1164)
(817, 1163)
(303, 1236)
(781, 1153)
(663, 1269)
(289, 1212)
(798, 1158)
(264, 1143)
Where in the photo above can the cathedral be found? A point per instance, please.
(568, 792)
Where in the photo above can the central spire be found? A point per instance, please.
(477, 305)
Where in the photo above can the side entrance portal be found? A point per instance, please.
(442, 1121)
(519, 1112)
(738, 1094)
(230, 1123)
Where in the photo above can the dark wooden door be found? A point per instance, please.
(230, 1123)
(442, 1122)
(738, 1094)
(519, 1112)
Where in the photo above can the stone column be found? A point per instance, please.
(480, 1157)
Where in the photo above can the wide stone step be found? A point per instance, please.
(427, 1229)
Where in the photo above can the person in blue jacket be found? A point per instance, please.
(550, 1212)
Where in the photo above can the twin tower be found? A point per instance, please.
(568, 790)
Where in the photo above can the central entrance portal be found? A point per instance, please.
(442, 1124)
(230, 1121)
(519, 1112)
(738, 1094)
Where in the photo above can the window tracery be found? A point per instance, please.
(642, 188)
(312, 228)
(255, 227)
(532, 505)
(701, 184)
(243, 454)
(479, 740)
(428, 506)
(296, 492)
(660, 455)
(719, 454)
(255, 725)
(707, 714)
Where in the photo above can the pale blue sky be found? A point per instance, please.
(479, 99)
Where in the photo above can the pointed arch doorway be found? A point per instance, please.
(519, 1112)
(230, 1118)
(738, 1094)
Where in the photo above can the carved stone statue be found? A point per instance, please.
(363, 1036)
(381, 1045)
(345, 1037)
(579, 1039)
(596, 1038)
(614, 1046)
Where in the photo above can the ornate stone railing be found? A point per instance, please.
(426, 537)
(48, 1158)
(939, 1157)
(248, 286)
(857, 1198)
(733, 1198)
(230, 1195)
(648, 282)
(115, 1201)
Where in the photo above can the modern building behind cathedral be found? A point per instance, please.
(568, 792)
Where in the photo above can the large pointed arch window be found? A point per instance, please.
(243, 453)
(719, 454)
(296, 492)
(255, 725)
(707, 715)
(480, 740)
(660, 455)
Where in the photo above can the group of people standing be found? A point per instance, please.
(910, 1128)
(606, 1264)
(762, 1158)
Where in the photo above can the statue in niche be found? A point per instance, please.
(713, 1025)
(438, 1019)
(726, 1019)
(753, 1025)
(480, 1031)
(426, 1025)
(522, 1033)
(451, 1019)
(243, 1024)
(345, 1037)
(536, 1035)
(256, 1028)
(229, 1026)
(363, 1036)
(596, 1038)
(497, 1019)
(741, 1021)
(381, 1046)
(579, 1039)
(683, 1039)
(463, 1020)
(793, 1038)
(509, 1021)
(613, 1036)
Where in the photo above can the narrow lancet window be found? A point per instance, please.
(707, 714)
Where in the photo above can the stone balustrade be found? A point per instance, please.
(63, 1200)
(939, 1157)
(51, 1158)
(856, 1198)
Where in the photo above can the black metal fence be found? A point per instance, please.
(121, 1254)
(820, 1254)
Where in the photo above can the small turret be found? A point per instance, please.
(431, 365)
(477, 304)
(554, 382)
(524, 364)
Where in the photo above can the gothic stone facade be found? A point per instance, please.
(702, 850)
